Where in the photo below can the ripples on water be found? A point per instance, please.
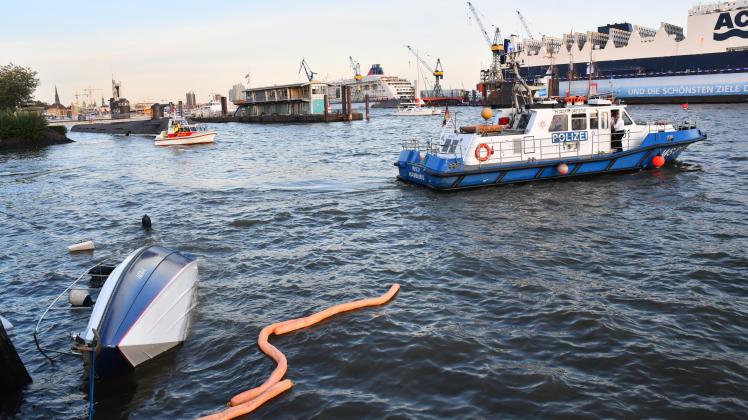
(607, 296)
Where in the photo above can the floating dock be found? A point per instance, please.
(269, 119)
(293, 103)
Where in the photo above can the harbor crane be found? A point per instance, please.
(304, 66)
(91, 97)
(525, 25)
(437, 71)
(496, 45)
(356, 67)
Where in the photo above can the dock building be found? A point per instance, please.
(294, 99)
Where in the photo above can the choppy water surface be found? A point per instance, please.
(610, 296)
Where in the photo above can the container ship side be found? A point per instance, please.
(644, 65)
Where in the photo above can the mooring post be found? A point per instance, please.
(348, 99)
(326, 105)
(343, 103)
(366, 99)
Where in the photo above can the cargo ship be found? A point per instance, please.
(384, 91)
(636, 64)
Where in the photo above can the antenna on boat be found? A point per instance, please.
(589, 75)
(570, 46)
(512, 52)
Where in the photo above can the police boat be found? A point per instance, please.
(551, 139)
(141, 311)
(548, 140)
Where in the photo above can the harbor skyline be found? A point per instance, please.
(159, 61)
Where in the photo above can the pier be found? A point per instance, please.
(269, 119)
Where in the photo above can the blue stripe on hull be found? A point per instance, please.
(519, 175)
(629, 162)
(590, 167)
(479, 179)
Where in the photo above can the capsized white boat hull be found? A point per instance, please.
(142, 310)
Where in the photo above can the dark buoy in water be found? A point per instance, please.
(146, 222)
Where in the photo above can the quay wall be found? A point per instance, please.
(270, 119)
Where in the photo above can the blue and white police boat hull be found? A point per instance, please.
(549, 140)
(142, 310)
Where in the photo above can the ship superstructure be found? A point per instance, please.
(382, 89)
(708, 63)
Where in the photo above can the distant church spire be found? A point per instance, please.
(57, 97)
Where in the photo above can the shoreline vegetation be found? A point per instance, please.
(19, 128)
(24, 130)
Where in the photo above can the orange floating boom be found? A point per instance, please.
(250, 400)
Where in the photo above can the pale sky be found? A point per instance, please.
(162, 49)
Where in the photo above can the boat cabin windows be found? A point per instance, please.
(594, 120)
(560, 122)
(524, 119)
(579, 122)
(626, 119)
(604, 120)
(450, 145)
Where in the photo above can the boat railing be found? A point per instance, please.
(411, 144)
(54, 306)
(531, 148)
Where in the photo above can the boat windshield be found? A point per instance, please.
(524, 119)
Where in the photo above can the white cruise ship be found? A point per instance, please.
(383, 90)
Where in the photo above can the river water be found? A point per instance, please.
(611, 296)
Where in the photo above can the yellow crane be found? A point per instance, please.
(356, 67)
(496, 45)
(437, 71)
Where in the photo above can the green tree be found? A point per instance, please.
(17, 84)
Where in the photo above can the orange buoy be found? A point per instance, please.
(250, 400)
(562, 168)
(658, 161)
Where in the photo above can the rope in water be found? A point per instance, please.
(91, 380)
(250, 400)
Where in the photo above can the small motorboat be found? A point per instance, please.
(180, 132)
(142, 310)
(416, 109)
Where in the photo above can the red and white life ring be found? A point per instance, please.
(479, 152)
